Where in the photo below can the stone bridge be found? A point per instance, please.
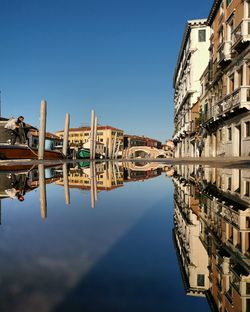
(138, 152)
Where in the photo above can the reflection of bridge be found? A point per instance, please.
(143, 166)
(146, 152)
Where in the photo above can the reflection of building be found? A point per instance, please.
(140, 175)
(218, 200)
(108, 177)
(192, 254)
(111, 137)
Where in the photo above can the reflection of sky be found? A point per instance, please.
(118, 256)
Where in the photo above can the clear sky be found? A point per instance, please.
(114, 56)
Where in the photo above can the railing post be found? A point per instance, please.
(42, 129)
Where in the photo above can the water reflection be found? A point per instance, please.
(212, 234)
(93, 177)
(120, 256)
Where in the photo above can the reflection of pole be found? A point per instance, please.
(107, 170)
(95, 183)
(66, 184)
(95, 136)
(0, 212)
(118, 170)
(92, 134)
(42, 189)
(92, 185)
(114, 172)
(66, 135)
(42, 130)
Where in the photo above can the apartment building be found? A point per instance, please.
(225, 84)
(111, 137)
(192, 61)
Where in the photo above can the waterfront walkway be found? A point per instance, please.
(217, 162)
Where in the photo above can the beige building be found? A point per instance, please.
(111, 137)
(225, 84)
(192, 61)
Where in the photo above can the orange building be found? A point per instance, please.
(226, 81)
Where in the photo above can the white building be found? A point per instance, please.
(192, 61)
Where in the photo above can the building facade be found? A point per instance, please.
(192, 61)
(226, 102)
(219, 125)
(111, 137)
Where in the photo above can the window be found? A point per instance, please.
(229, 183)
(240, 77)
(231, 83)
(229, 134)
(228, 2)
(200, 280)
(202, 35)
(248, 288)
(221, 35)
(247, 128)
(247, 188)
(220, 135)
(248, 227)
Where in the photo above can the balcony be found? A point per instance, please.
(224, 52)
(239, 98)
(241, 34)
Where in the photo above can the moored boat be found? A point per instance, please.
(29, 150)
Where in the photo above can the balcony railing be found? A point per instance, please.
(241, 33)
(238, 98)
(224, 51)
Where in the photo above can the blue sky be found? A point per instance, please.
(114, 56)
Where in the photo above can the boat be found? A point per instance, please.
(84, 152)
(29, 150)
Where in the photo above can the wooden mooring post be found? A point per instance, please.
(66, 135)
(42, 129)
(92, 130)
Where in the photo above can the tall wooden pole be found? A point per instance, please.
(117, 151)
(95, 137)
(66, 135)
(42, 189)
(114, 145)
(92, 134)
(42, 130)
(107, 149)
(66, 184)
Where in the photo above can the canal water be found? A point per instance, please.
(125, 237)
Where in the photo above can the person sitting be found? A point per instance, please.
(17, 129)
